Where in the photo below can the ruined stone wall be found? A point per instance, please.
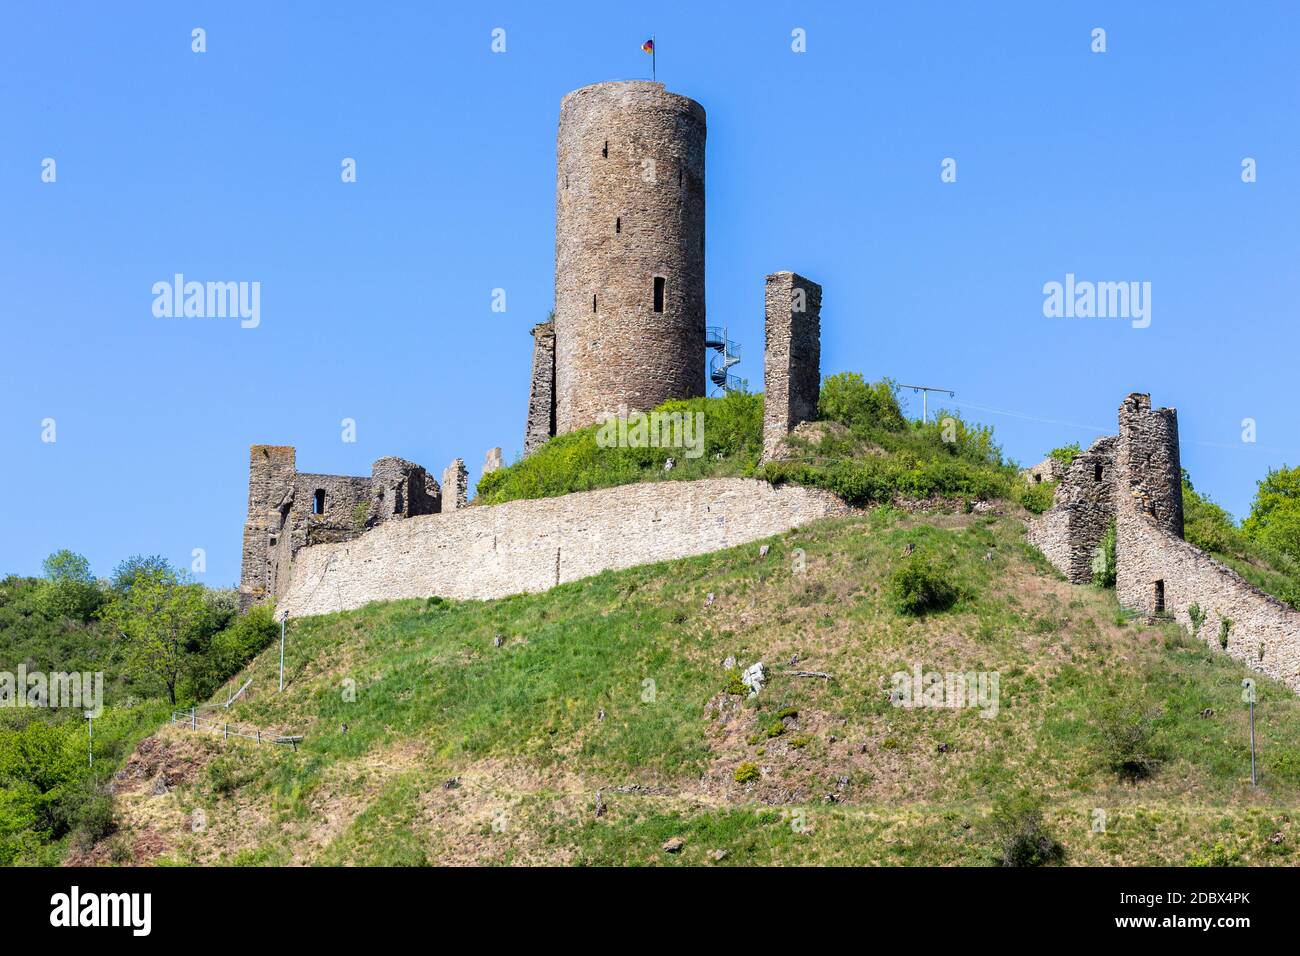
(1265, 633)
(455, 485)
(541, 395)
(1082, 509)
(1135, 479)
(288, 511)
(532, 545)
(629, 209)
(1049, 469)
(791, 356)
(401, 489)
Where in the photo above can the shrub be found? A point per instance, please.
(1225, 625)
(1217, 855)
(69, 589)
(1128, 738)
(747, 772)
(848, 399)
(921, 586)
(1021, 837)
(1066, 453)
(1197, 617)
(1103, 561)
(1035, 496)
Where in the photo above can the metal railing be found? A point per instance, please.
(194, 721)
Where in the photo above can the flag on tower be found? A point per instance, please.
(649, 47)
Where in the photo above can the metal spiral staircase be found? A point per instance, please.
(727, 354)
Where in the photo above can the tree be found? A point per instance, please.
(1274, 520)
(69, 589)
(158, 620)
(125, 574)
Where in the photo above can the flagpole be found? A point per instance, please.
(654, 56)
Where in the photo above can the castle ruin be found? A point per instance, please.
(289, 510)
(1133, 481)
(627, 334)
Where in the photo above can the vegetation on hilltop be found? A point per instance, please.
(874, 455)
(445, 732)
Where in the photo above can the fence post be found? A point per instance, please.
(225, 731)
(194, 720)
(259, 735)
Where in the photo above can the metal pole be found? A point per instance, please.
(282, 620)
(90, 730)
(925, 407)
(1253, 782)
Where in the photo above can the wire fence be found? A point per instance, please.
(192, 719)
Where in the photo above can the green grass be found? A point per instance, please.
(732, 442)
(615, 683)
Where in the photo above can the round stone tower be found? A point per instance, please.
(629, 251)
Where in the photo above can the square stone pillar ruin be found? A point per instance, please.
(791, 357)
(455, 486)
(541, 397)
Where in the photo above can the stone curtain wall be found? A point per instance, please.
(1082, 509)
(494, 551)
(629, 208)
(1139, 486)
(1265, 633)
(791, 356)
(541, 396)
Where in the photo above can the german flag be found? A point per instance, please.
(648, 46)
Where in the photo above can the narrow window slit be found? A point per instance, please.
(659, 294)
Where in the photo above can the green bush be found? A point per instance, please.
(747, 772)
(1020, 835)
(848, 399)
(1066, 453)
(1128, 732)
(1035, 496)
(1103, 561)
(921, 586)
(69, 589)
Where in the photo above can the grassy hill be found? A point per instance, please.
(480, 732)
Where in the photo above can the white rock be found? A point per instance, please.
(755, 677)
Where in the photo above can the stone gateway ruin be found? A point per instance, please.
(627, 334)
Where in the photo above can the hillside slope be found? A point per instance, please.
(457, 750)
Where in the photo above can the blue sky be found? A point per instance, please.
(225, 165)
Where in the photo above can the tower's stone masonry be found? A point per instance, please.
(1150, 470)
(289, 510)
(629, 251)
(791, 356)
(1156, 571)
(541, 395)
